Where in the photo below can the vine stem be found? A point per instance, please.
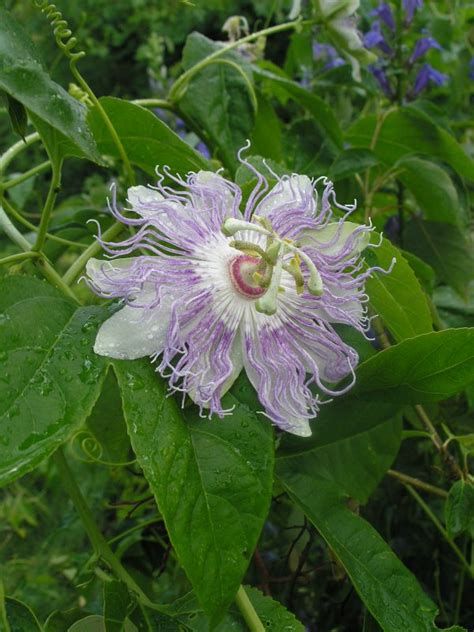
(99, 543)
(48, 206)
(41, 261)
(416, 482)
(9, 184)
(441, 529)
(180, 83)
(16, 149)
(247, 610)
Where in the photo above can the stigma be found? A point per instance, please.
(244, 270)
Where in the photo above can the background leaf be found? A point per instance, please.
(428, 368)
(459, 508)
(212, 481)
(50, 378)
(217, 99)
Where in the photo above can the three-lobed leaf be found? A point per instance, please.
(50, 377)
(212, 480)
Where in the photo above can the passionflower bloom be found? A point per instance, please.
(213, 290)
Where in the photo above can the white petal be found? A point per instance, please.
(103, 272)
(134, 332)
(142, 200)
(217, 183)
(294, 189)
(333, 237)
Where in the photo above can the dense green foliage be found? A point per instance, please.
(366, 525)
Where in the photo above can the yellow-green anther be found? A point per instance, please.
(263, 221)
(267, 304)
(273, 250)
(232, 226)
(294, 269)
(315, 283)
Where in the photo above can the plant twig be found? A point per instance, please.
(416, 482)
(247, 611)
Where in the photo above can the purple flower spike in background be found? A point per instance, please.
(375, 38)
(410, 6)
(384, 12)
(329, 53)
(422, 46)
(381, 76)
(427, 75)
(219, 290)
(471, 69)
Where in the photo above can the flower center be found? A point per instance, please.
(242, 271)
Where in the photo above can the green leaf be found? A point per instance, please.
(432, 188)
(445, 248)
(18, 116)
(388, 589)
(424, 273)
(428, 368)
(398, 297)
(147, 141)
(116, 602)
(348, 436)
(351, 162)
(266, 135)
(50, 377)
(57, 144)
(96, 623)
(321, 112)
(406, 131)
(20, 617)
(60, 621)
(272, 614)
(107, 424)
(23, 77)
(218, 99)
(459, 508)
(211, 479)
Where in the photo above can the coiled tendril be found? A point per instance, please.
(62, 33)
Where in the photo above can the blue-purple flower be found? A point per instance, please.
(422, 46)
(216, 290)
(384, 12)
(427, 75)
(327, 53)
(375, 38)
(382, 79)
(410, 6)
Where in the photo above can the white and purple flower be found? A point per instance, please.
(214, 290)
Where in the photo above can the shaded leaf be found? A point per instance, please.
(352, 161)
(20, 617)
(210, 478)
(50, 378)
(459, 508)
(18, 116)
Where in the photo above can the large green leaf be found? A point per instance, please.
(432, 188)
(217, 99)
(321, 111)
(398, 297)
(147, 141)
(212, 481)
(348, 436)
(428, 368)
(388, 589)
(445, 248)
(20, 617)
(23, 77)
(50, 378)
(408, 131)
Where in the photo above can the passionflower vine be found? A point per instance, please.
(213, 290)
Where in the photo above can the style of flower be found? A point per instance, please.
(217, 290)
(427, 75)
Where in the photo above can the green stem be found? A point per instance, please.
(180, 83)
(460, 588)
(49, 205)
(416, 482)
(16, 149)
(21, 256)
(94, 249)
(251, 618)
(153, 103)
(441, 529)
(99, 543)
(60, 240)
(9, 184)
(3, 612)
